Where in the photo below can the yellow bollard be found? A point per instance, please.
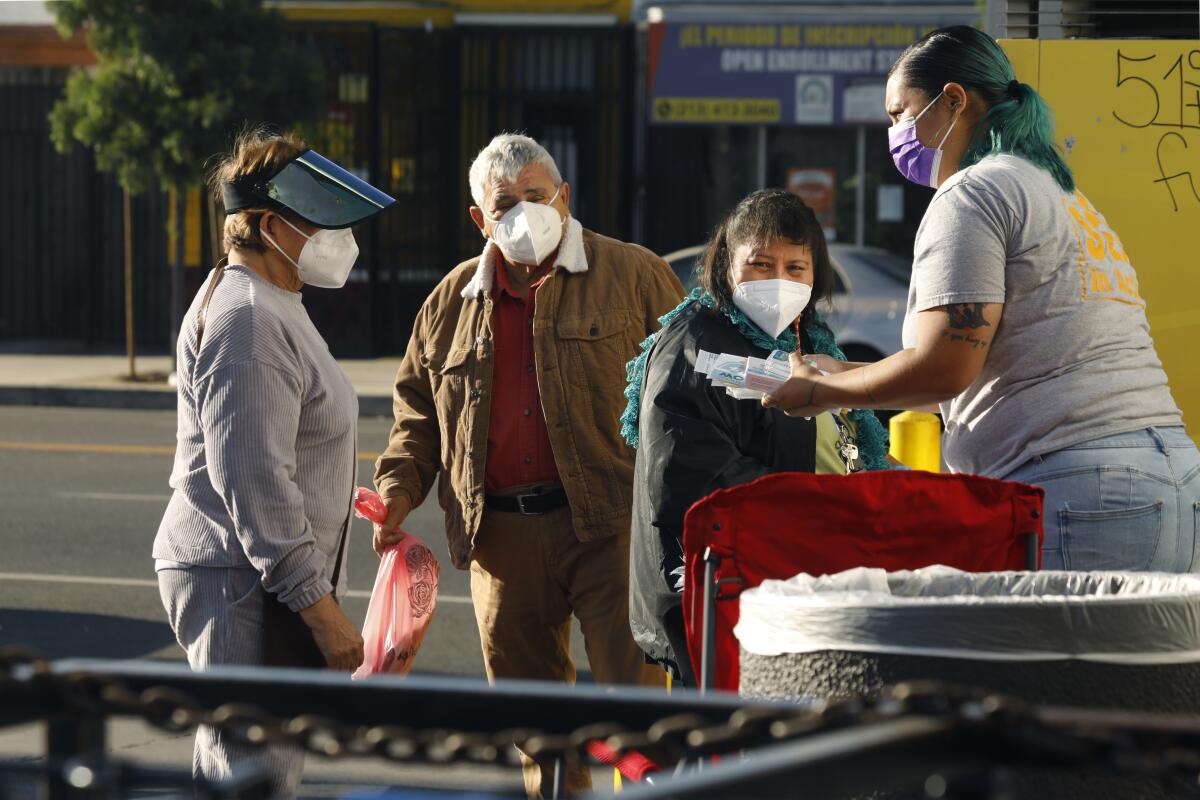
(917, 440)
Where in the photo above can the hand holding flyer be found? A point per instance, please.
(746, 377)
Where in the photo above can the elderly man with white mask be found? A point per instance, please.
(511, 393)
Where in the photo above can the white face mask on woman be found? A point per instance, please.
(327, 256)
(772, 304)
(528, 232)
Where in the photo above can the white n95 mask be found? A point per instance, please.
(327, 256)
(528, 232)
(772, 304)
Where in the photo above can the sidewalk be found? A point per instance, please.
(102, 382)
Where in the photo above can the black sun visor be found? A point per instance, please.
(312, 187)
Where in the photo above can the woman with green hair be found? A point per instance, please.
(760, 279)
(1024, 322)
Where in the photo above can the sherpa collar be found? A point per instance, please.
(571, 257)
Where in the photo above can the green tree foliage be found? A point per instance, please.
(175, 80)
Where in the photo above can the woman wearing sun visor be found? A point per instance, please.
(250, 550)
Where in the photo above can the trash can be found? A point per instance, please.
(1115, 640)
(1101, 639)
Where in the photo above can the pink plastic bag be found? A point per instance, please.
(403, 600)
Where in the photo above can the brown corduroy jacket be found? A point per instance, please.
(600, 301)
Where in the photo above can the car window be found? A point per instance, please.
(683, 267)
(884, 264)
(839, 284)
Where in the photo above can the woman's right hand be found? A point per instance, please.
(389, 532)
(335, 635)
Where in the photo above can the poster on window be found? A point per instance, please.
(818, 189)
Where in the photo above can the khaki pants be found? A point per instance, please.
(528, 575)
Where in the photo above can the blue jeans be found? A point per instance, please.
(1124, 502)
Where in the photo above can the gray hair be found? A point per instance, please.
(504, 158)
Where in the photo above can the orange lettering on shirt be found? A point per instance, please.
(1101, 255)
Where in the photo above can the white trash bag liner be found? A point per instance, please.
(1114, 617)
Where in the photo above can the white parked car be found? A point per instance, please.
(870, 294)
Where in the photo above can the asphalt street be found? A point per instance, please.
(81, 495)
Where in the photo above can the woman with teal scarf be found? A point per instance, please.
(760, 277)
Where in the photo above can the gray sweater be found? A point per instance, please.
(265, 459)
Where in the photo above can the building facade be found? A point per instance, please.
(661, 113)
(413, 92)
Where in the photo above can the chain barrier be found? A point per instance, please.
(670, 740)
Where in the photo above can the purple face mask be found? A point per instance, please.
(915, 161)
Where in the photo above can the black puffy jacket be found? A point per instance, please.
(694, 439)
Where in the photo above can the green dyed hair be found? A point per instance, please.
(1017, 120)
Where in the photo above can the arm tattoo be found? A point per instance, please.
(866, 389)
(812, 395)
(966, 315)
(973, 341)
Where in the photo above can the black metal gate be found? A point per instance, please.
(61, 235)
(416, 141)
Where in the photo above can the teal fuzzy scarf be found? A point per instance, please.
(872, 439)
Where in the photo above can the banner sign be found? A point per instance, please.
(826, 73)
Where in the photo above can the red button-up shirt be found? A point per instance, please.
(518, 443)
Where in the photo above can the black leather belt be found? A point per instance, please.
(531, 505)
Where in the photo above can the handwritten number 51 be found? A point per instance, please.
(1124, 79)
(1148, 91)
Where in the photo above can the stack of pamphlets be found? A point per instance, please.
(745, 377)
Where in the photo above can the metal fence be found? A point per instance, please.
(61, 248)
(925, 739)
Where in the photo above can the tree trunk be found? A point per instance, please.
(130, 341)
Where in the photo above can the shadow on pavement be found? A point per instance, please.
(61, 634)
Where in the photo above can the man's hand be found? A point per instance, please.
(339, 641)
(389, 532)
(799, 397)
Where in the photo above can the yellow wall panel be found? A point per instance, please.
(1023, 53)
(1128, 121)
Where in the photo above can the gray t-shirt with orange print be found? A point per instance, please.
(1072, 358)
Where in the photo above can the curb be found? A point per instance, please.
(136, 399)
